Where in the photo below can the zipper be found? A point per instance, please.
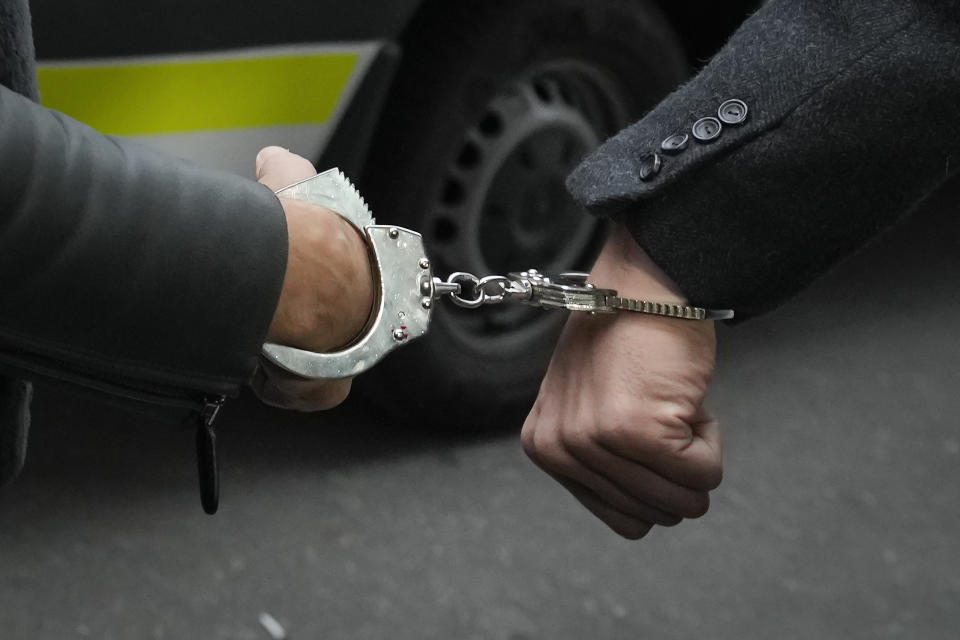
(208, 464)
(203, 408)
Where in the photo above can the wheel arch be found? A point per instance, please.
(703, 27)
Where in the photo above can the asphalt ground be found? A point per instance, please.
(839, 516)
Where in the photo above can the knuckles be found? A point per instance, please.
(528, 433)
(544, 448)
(551, 444)
(579, 442)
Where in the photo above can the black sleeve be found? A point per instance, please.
(853, 117)
(126, 263)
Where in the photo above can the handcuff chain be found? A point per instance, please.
(504, 288)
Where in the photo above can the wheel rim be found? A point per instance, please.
(503, 205)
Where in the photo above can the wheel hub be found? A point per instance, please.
(503, 205)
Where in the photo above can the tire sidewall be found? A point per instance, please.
(456, 60)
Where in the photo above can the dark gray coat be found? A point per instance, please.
(853, 118)
(121, 269)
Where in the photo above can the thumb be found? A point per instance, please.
(278, 168)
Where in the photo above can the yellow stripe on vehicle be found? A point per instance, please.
(180, 96)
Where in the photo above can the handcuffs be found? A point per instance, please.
(407, 290)
(405, 294)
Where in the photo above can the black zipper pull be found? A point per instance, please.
(208, 466)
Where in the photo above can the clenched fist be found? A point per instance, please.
(620, 420)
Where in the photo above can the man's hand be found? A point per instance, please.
(619, 420)
(327, 291)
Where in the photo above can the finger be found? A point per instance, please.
(688, 454)
(278, 168)
(702, 457)
(280, 389)
(643, 484)
(625, 525)
(317, 397)
(553, 458)
(706, 430)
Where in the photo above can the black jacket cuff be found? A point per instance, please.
(851, 121)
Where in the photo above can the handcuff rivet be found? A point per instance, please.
(399, 335)
(394, 233)
(424, 263)
(426, 303)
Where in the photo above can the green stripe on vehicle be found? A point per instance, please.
(180, 96)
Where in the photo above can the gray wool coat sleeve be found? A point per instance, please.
(120, 268)
(122, 263)
(853, 118)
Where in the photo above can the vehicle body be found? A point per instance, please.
(457, 119)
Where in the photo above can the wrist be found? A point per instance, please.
(624, 265)
(327, 292)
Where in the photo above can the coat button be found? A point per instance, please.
(674, 144)
(733, 111)
(649, 166)
(707, 129)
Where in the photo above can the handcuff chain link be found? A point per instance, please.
(503, 289)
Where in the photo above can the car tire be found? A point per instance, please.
(493, 104)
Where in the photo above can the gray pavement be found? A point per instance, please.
(839, 516)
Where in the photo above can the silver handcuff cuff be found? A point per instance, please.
(406, 289)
